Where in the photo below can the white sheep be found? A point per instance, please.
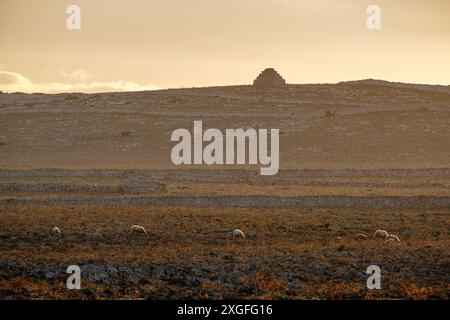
(137, 229)
(389, 241)
(381, 234)
(361, 236)
(56, 230)
(393, 237)
(238, 233)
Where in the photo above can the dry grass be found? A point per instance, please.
(189, 253)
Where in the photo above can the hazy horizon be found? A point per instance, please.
(141, 45)
(114, 89)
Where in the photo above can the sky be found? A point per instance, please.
(149, 44)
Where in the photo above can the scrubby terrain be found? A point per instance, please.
(354, 157)
(189, 253)
(365, 124)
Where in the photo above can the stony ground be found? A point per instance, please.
(378, 189)
(362, 124)
(354, 157)
(189, 253)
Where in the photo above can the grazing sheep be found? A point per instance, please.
(361, 236)
(56, 230)
(390, 240)
(381, 234)
(238, 233)
(393, 237)
(137, 229)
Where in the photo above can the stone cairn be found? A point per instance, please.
(269, 78)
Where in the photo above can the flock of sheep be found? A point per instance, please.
(237, 233)
(140, 229)
(382, 234)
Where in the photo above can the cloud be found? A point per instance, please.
(12, 79)
(80, 74)
(15, 82)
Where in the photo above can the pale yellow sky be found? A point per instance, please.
(146, 44)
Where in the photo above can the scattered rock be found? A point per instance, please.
(138, 277)
(135, 184)
(247, 290)
(98, 272)
(88, 292)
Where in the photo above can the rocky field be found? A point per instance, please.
(351, 125)
(354, 157)
(289, 253)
